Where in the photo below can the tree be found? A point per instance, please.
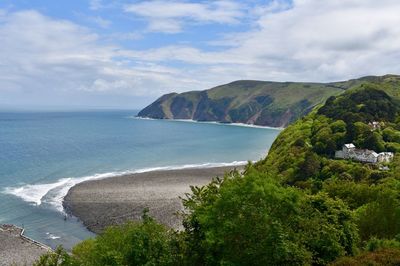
(310, 166)
(134, 243)
(380, 218)
(57, 258)
(253, 220)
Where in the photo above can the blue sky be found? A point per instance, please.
(124, 54)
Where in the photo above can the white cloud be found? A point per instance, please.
(310, 40)
(40, 55)
(96, 4)
(325, 40)
(314, 40)
(170, 16)
(101, 22)
(123, 36)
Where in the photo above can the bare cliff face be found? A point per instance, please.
(264, 103)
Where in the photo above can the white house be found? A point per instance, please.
(349, 151)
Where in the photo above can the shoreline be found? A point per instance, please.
(34, 193)
(208, 122)
(115, 200)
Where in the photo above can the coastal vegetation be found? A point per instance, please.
(298, 206)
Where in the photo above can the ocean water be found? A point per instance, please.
(43, 154)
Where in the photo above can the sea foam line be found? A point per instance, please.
(54, 193)
(208, 122)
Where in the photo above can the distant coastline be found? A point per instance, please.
(208, 122)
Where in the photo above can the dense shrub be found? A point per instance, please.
(381, 257)
(252, 220)
(366, 104)
(57, 258)
(146, 243)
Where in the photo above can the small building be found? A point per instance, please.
(374, 125)
(385, 157)
(349, 151)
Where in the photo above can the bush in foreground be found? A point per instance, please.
(134, 243)
(253, 220)
(381, 257)
(146, 243)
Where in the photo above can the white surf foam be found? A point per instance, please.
(50, 236)
(54, 193)
(141, 118)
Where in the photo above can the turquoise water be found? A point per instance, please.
(43, 154)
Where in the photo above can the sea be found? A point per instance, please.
(43, 154)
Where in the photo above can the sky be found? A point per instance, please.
(124, 54)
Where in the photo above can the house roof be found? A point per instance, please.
(366, 153)
(349, 145)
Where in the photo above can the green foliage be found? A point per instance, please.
(220, 219)
(327, 136)
(310, 166)
(377, 252)
(305, 149)
(287, 150)
(381, 257)
(381, 217)
(368, 139)
(57, 258)
(369, 103)
(252, 220)
(376, 207)
(376, 244)
(302, 156)
(147, 243)
(354, 194)
(391, 135)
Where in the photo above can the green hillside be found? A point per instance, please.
(303, 156)
(342, 119)
(254, 102)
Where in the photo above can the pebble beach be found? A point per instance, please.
(112, 201)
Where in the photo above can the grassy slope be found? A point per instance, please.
(283, 93)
